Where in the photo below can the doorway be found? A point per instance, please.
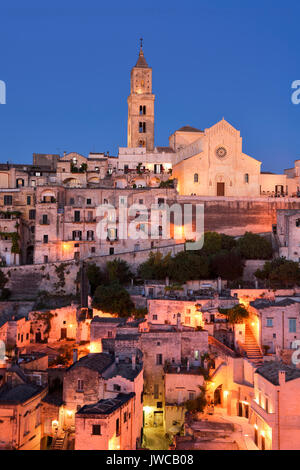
(158, 418)
(220, 189)
(63, 333)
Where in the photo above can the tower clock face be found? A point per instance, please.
(221, 152)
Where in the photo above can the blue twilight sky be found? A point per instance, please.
(67, 65)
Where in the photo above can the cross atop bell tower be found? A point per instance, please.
(141, 105)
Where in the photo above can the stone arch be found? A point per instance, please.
(71, 182)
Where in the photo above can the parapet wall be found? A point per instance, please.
(237, 216)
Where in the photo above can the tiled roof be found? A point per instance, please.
(269, 370)
(106, 406)
(141, 62)
(18, 394)
(96, 361)
(189, 129)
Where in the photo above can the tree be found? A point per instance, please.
(236, 314)
(280, 271)
(95, 276)
(212, 243)
(188, 265)
(118, 270)
(113, 299)
(156, 267)
(253, 246)
(198, 404)
(228, 265)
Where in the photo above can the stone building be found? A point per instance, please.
(288, 233)
(108, 424)
(15, 332)
(101, 376)
(275, 407)
(165, 344)
(20, 413)
(276, 324)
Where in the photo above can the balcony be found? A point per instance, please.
(44, 222)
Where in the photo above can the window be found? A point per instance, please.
(96, 430)
(196, 178)
(32, 214)
(72, 201)
(246, 178)
(79, 385)
(267, 405)
(117, 388)
(45, 259)
(269, 322)
(45, 239)
(28, 200)
(191, 395)
(89, 201)
(125, 416)
(77, 216)
(141, 201)
(298, 223)
(154, 317)
(187, 320)
(159, 404)
(93, 249)
(142, 127)
(142, 110)
(126, 168)
(112, 234)
(19, 182)
(196, 355)
(109, 334)
(158, 359)
(292, 325)
(118, 427)
(76, 235)
(111, 250)
(156, 391)
(45, 219)
(8, 200)
(90, 235)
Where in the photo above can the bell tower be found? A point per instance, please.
(140, 131)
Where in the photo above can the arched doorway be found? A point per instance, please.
(218, 396)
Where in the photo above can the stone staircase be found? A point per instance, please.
(58, 444)
(251, 348)
(24, 286)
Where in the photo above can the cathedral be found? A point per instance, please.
(207, 162)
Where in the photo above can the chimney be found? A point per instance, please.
(133, 361)
(75, 355)
(281, 377)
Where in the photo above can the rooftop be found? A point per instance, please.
(98, 362)
(270, 370)
(118, 321)
(266, 303)
(106, 406)
(189, 129)
(18, 394)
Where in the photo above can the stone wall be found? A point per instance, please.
(25, 282)
(236, 216)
